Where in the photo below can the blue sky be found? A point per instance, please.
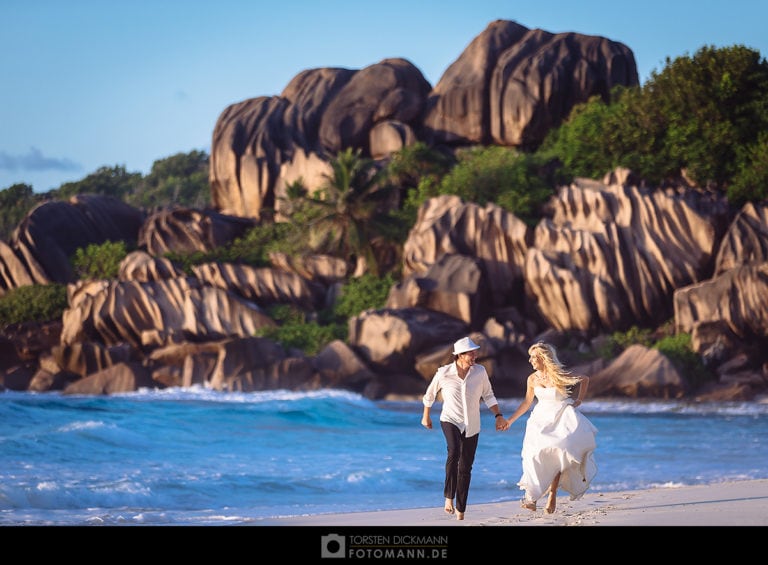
(92, 83)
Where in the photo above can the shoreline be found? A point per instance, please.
(733, 503)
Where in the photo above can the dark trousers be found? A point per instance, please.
(458, 464)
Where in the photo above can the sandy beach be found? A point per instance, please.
(429, 534)
(742, 503)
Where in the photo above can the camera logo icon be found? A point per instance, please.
(332, 546)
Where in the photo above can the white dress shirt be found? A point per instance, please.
(461, 397)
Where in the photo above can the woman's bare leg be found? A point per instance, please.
(552, 500)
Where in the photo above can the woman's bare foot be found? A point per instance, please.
(449, 506)
(528, 504)
(459, 515)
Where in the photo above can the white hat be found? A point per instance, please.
(463, 345)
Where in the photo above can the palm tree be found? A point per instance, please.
(348, 210)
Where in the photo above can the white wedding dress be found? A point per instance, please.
(558, 438)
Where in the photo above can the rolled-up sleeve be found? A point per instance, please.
(431, 394)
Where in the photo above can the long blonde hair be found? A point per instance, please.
(553, 368)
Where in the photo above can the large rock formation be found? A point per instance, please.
(261, 145)
(42, 245)
(157, 325)
(613, 253)
(184, 230)
(497, 239)
(509, 87)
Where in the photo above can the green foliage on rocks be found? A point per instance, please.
(16, 202)
(297, 329)
(750, 183)
(415, 172)
(252, 248)
(500, 175)
(33, 303)
(704, 116)
(348, 212)
(677, 348)
(99, 261)
(363, 293)
(181, 179)
(107, 181)
(308, 337)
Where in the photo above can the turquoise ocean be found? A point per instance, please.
(196, 457)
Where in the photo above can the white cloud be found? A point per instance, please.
(34, 160)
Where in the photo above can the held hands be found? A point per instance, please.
(501, 424)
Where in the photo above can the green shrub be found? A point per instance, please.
(363, 293)
(677, 348)
(109, 181)
(33, 303)
(309, 337)
(751, 180)
(619, 341)
(503, 176)
(702, 114)
(16, 202)
(294, 330)
(181, 179)
(99, 261)
(286, 314)
(252, 248)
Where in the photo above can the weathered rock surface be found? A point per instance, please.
(736, 304)
(41, 245)
(509, 87)
(746, 241)
(121, 377)
(185, 230)
(321, 112)
(613, 254)
(264, 286)
(199, 330)
(497, 239)
(140, 266)
(512, 84)
(149, 314)
(388, 340)
(454, 285)
(639, 372)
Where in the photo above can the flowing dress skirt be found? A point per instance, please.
(558, 439)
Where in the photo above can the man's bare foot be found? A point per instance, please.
(449, 506)
(551, 503)
(459, 515)
(528, 505)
